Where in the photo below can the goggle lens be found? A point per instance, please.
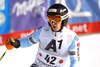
(56, 18)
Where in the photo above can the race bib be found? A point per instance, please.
(44, 59)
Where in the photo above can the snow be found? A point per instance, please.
(24, 57)
(90, 48)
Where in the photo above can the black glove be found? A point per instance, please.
(13, 42)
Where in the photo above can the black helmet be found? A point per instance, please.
(59, 9)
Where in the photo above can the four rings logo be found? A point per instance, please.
(2, 19)
(2, 4)
(2, 16)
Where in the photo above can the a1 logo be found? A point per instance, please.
(52, 45)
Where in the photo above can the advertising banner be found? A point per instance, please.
(28, 14)
(14, 35)
(5, 24)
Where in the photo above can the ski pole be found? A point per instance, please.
(8, 46)
(3, 54)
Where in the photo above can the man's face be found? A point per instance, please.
(55, 22)
(55, 26)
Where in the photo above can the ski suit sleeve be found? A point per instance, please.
(74, 52)
(30, 40)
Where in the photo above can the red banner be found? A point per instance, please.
(15, 35)
(85, 28)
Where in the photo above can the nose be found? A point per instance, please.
(52, 21)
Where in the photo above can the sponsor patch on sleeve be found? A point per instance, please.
(39, 27)
(76, 38)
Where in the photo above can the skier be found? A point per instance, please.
(56, 42)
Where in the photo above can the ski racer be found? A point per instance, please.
(56, 42)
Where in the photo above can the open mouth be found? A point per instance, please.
(54, 27)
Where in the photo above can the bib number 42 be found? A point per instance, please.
(50, 59)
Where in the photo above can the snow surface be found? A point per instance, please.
(24, 57)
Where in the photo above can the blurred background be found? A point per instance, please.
(20, 18)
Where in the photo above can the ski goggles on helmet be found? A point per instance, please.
(56, 18)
